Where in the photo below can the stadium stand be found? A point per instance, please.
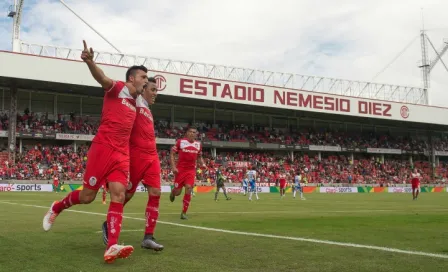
(43, 160)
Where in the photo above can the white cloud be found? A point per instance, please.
(345, 38)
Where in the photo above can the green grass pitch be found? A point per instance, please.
(236, 235)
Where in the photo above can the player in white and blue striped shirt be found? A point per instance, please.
(296, 186)
(252, 177)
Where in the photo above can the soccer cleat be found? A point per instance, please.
(150, 243)
(117, 252)
(49, 218)
(183, 216)
(172, 197)
(105, 233)
(229, 198)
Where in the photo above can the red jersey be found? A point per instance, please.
(415, 178)
(55, 182)
(117, 118)
(188, 153)
(143, 137)
(282, 179)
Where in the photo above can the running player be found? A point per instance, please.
(282, 181)
(145, 164)
(189, 151)
(220, 179)
(109, 153)
(251, 176)
(415, 181)
(296, 186)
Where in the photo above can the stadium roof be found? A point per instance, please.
(362, 89)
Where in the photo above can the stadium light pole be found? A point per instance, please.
(428, 65)
(91, 27)
(15, 12)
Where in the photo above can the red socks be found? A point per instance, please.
(187, 198)
(152, 214)
(114, 219)
(70, 200)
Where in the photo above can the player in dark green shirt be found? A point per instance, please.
(220, 179)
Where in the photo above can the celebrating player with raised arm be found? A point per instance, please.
(108, 156)
(189, 151)
(145, 164)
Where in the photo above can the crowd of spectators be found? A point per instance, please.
(33, 122)
(42, 162)
(40, 122)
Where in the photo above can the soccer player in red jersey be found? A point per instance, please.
(145, 164)
(56, 183)
(282, 181)
(189, 151)
(108, 156)
(415, 181)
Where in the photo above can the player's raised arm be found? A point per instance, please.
(98, 74)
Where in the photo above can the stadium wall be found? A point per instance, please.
(76, 73)
(233, 189)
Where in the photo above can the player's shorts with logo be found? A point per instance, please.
(104, 165)
(184, 177)
(145, 170)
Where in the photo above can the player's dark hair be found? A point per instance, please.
(190, 128)
(152, 79)
(133, 70)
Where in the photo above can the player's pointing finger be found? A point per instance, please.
(85, 44)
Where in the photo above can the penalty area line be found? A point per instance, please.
(309, 240)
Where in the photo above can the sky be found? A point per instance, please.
(347, 39)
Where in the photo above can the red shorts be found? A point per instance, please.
(282, 185)
(184, 177)
(104, 165)
(145, 170)
(415, 185)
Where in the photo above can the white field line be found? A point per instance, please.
(316, 241)
(300, 212)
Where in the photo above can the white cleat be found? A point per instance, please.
(117, 252)
(49, 218)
